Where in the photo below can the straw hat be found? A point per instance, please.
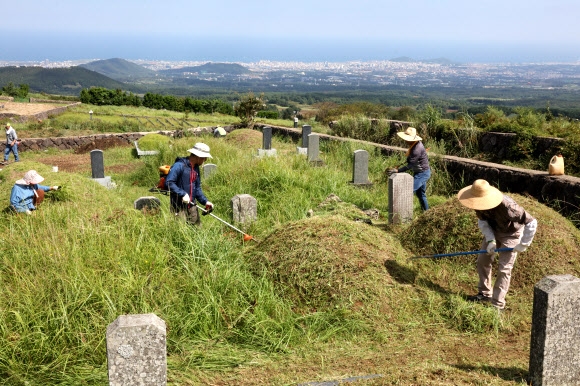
(31, 177)
(410, 134)
(200, 150)
(480, 196)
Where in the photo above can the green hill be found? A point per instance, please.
(62, 81)
(210, 68)
(119, 69)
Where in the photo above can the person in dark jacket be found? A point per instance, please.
(184, 185)
(418, 163)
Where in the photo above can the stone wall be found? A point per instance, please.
(71, 143)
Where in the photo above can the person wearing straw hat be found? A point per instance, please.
(504, 224)
(418, 163)
(11, 143)
(27, 194)
(184, 184)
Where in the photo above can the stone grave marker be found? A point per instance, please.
(400, 187)
(136, 351)
(360, 169)
(208, 169)
(266, 149)
(314, 150)
(98, 169)
(555, 338)
(306, 131)
(97, 164)
(244, 208)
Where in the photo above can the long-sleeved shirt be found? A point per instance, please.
(417, 160)
(21, 197)
(10, 136)
(508, 217)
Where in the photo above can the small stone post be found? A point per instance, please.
(208, 169)
(400, 198)
(314, 150)
(360, 169)
(555, 338)
(136, 351)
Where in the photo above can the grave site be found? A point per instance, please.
(95, 290)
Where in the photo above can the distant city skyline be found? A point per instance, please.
(314, 30)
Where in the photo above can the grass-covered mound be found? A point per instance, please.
(450, 227)
(328, 262)
(245, 138)
(154, 141)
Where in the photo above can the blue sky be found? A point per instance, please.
(526, 22)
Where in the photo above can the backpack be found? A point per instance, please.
(163, 172)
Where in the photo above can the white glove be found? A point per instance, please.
(520, 247)
(186, 199)
(208, 206)
(28, 212)
(491, 246)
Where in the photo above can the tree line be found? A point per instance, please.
(102, 96)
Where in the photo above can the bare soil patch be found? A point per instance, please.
(23, 109)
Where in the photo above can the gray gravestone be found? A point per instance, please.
(147, 202)
(266, 149)
(314, 150)
(400, 198)
(97, 164)
(360, 169)
(306, 131)
(136, 351)
(208, 169)
(266, 138)
(555, 338)
(244, 208)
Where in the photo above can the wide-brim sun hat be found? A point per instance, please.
(480, 196)
(200, 150)
(31, 177)
(410, 134)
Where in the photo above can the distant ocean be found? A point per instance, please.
(24, 46)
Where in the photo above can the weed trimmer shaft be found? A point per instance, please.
(246, 236)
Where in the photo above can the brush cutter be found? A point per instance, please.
(247, 237)
(458, 254)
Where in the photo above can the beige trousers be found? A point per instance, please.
(506, 261)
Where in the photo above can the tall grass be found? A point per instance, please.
(77, 263)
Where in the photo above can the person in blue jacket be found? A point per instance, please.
(27, 194)
(184, 185)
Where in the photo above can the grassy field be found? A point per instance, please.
(321, 295)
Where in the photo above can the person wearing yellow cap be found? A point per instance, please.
(504, 224)
(184, 184)
(418, 163)
(27, 193)
(11, 143)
